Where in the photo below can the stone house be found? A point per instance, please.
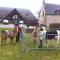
(49, 14)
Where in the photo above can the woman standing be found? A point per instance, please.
(18, 30)
(34, 34)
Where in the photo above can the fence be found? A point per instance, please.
(47, 43)
(28, 42)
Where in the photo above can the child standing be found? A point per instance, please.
(41, 38)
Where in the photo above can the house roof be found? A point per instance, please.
(25, 13)
(4, 11)
(51, 8)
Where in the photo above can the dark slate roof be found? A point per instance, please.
(4, 11)
(51, 8)
(25, 13)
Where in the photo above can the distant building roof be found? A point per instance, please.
(25, 13)
(51, 8)
(4, 11)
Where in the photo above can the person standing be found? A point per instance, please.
(23, 39)
(41, 38)
(18, 30)
(34, 35)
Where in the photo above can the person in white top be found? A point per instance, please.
(44, 28)
(41, 38)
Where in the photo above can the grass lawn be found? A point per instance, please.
(15, 52)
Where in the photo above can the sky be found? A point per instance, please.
(33, 5)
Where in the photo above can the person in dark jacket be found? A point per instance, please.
(18, 30)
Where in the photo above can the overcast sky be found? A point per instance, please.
(33, 5)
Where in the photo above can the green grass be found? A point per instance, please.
(6, 28)
(15, 52)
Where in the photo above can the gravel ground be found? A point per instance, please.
(7, 26)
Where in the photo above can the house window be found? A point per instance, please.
(15, 16)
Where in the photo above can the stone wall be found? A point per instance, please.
(51, 19)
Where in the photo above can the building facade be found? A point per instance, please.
(15, 15)
(49, 14)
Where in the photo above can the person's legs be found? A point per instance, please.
(20, 36)
(17, 37)
(41, 43)
(23, 42)
(34, 41)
